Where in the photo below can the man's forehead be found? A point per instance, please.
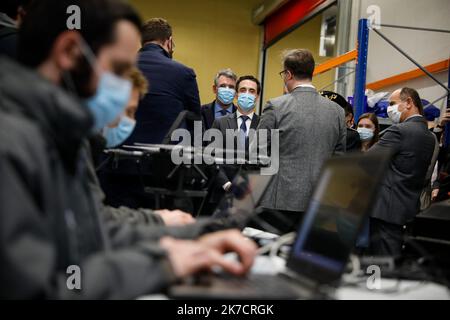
(225, 79)
(248, 84)
(395, 95)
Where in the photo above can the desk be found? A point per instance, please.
(389, 290)
(404, 289)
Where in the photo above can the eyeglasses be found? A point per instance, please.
(281, 73)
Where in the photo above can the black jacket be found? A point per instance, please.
(413, 146)
(353, 143)
(49, 217)
(209, 115)
(8, 41)
(172, 89)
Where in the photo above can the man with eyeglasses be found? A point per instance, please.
(311, 129)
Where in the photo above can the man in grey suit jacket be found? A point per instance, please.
(244, 121)
(413, 145)
(311, 129)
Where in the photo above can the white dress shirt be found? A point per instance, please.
(248, 122)
(305, 85)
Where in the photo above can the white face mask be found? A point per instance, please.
(394, 114)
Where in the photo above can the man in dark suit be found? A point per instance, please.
(353, 141)
(412, 144)
(241, 124)
(225, 90)
(173, 86)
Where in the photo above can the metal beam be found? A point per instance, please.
(335, 62)
(411, 59)
(437, 67)
(361, 68)
(435, 101)
(337, 80)
(410, 28)
(344, 17)
(447, 127)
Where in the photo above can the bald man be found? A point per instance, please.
(413, 145)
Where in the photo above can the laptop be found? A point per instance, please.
(343, 198)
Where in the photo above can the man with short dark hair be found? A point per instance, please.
(311, 129)
(353, 141)
(50, 225)
(173, 86)
(239, 125)
(224, 89)
(399, 199)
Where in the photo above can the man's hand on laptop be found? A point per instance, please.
(232, 241)
(189, 257)
(175, 217)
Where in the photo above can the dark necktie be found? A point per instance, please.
(243, 130)
(244, 125)
(223, 112)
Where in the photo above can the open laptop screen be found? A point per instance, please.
(247, 189)
(342, 200)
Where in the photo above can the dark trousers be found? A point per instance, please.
(386, 239)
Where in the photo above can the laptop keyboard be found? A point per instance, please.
(253, 285)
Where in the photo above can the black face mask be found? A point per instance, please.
(79, 79)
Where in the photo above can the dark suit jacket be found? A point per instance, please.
(208, 114)
(353, 140)
(413, 146)
(172, 89)
(230, 122)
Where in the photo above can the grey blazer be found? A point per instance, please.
(311, 129)
(413, 145)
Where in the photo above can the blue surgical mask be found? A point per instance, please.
(117, 135)
(226, 95)
(365, 134)
(111, 98)
(112, 95)
(246, 101)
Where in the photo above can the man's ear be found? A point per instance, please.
(169, 43)
(214, 88)
(66, 50)
(290, 75)
(410, 103)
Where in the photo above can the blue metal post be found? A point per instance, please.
(447, 127)
(361, 68)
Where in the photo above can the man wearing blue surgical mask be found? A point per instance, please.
(242, 121)
(412, 145)
(50, 219)
(224, 89)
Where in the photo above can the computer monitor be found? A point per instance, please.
(343, 198)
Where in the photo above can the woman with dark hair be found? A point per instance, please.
(369, 130)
